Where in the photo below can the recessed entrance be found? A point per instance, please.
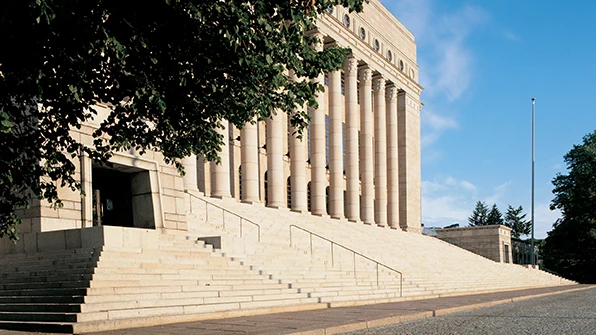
(122, 197)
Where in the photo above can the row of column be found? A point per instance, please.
(372, 185)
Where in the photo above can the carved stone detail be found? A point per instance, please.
(351, 66)
(391, 93)
(366, 75)
(379, 85)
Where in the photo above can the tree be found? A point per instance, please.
(479, 215)
(517, 222)
(494, 216)
(570, 247)
(170, 70)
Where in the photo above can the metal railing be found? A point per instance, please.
(223, 219)
(354, 254)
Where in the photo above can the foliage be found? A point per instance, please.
(570, 248)
(479, 215)
(494, 216)
(515, 220)
(170, 70)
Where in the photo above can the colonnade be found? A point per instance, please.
(366, 186)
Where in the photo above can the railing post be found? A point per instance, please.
(332, 260)
(223, 218)
(377, 273)
(290, 236)
(354, 254)
(310, 235)
(206, 213)
(401, 284)
(240, 226)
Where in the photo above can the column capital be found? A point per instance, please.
(391, 93)
(366, 74)
(351, 66)
(379, 84)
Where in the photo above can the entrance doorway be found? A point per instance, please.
(112, 199)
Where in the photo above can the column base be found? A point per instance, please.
(326, 216)
(221, 196)
(276, 206)
(251, 202)
(302, 211)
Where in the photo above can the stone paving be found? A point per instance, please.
(346, 319)
(567, 313)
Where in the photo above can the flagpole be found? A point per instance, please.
(533, 257)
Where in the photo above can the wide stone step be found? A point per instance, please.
(38, 316)
(44, 292)
(40, 307)
(44, 285)
(41, 299)
(45, 327)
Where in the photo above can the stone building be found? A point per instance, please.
(359, 159)
(282, 225)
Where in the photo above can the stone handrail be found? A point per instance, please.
(354, 253)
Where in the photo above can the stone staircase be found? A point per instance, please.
(430, 267)
(104, 278)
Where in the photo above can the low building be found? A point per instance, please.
(492, 242)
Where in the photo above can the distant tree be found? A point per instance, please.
(479, 215)
(515, 220)
(494, 216)
(570, 248)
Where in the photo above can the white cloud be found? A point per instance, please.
(433, 126)
(446, 201)
(497, 195)
(544, 218)
(447, 62)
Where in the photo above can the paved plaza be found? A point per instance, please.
(567, 313)
(552, 310)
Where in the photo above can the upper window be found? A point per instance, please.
(347, 21)
(329, 10)
(362, 33)
(377, 45)
(401, 65)
(412, 74)
(389, 55)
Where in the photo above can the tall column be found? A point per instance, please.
(190, 172)
(366, 147)
(275, 172)
(249, 160)
(336, 164)
(408, 117)
(392, 167)
(317, 147)
(297, 169)
(380, 153)
(352, 176)
(220, 173)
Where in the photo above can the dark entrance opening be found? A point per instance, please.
(112, 198)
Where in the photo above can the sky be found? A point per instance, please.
(480, 63)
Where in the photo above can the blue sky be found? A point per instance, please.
(481, 62)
